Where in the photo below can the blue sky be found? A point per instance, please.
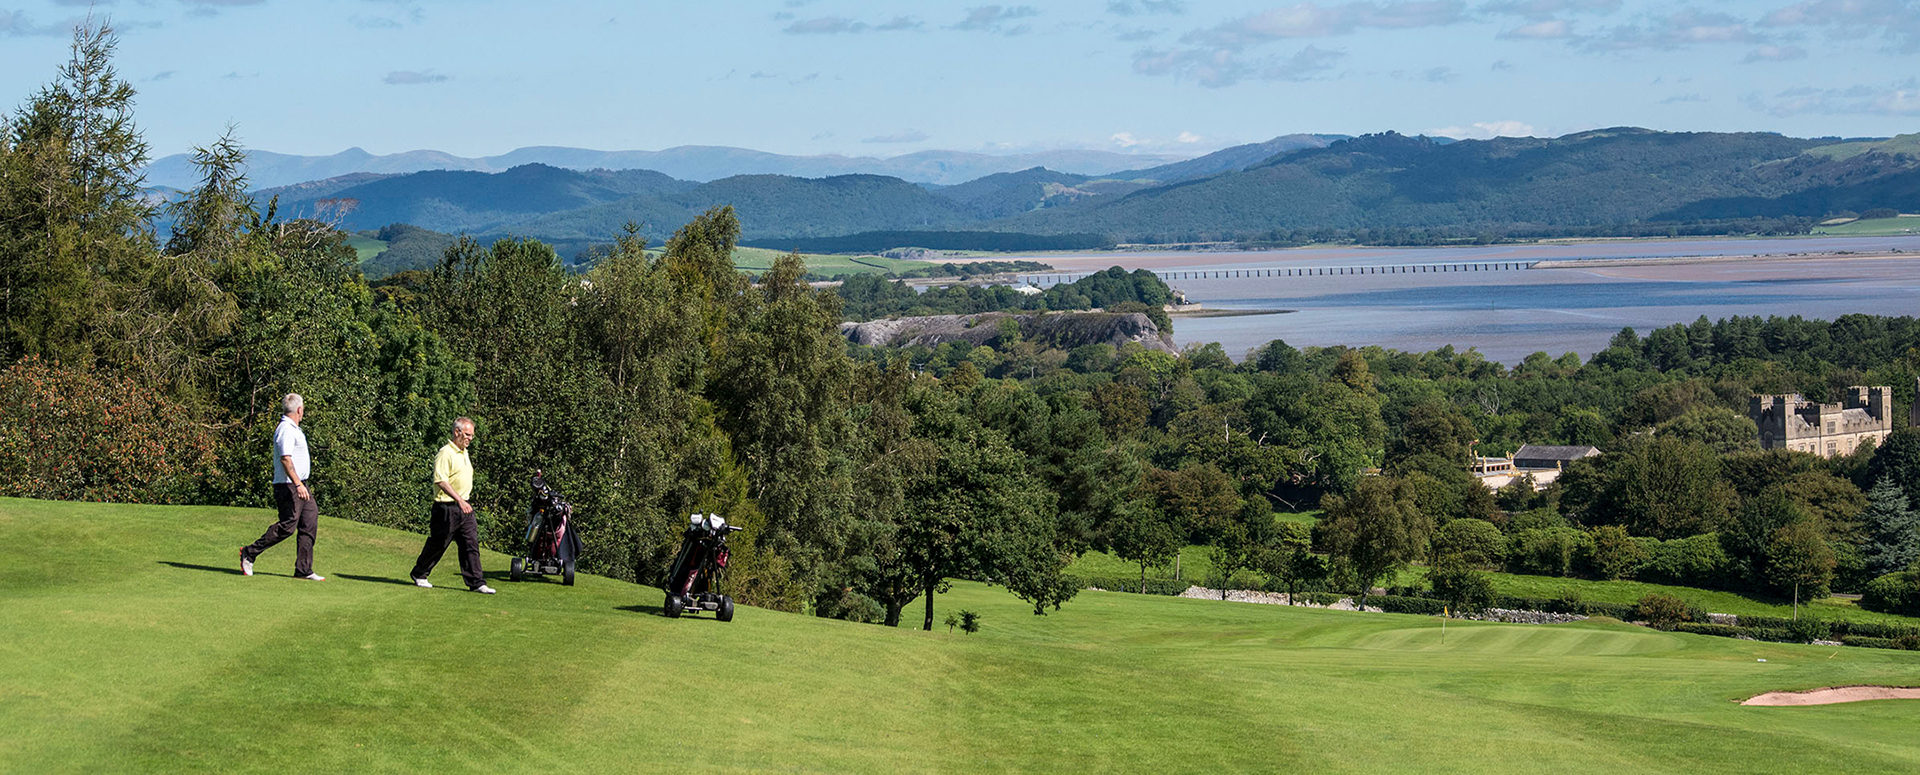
(475, 77)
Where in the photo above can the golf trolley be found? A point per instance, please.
(693, 581)
(552, 546)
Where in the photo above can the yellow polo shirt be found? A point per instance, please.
(453, 467)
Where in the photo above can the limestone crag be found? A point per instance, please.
(1064, 330)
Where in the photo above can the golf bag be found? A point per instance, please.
(693, 581)
(552, 545)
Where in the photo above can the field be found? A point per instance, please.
(367, 247)
(136, 646)
(758, 260)
(1878, 227)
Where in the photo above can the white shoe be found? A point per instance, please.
(311, 577)
(423, 583)
(483, 589)
(246, 565)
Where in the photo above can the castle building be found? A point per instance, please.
(1828, 430)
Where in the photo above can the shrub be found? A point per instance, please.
(1461, 587)
(1894, 593)
(1695, 561)
(1774, 635)
(1663, 611)
(969, 622)
(1810, 629)
(855, 607)
(1547, 552)
(1878, 213)
(1127, 584)
(1322, 598)
(1873, 629)
(1474, 541)
(1870, 643)
(1614, 554)
(1622, 611)
(1396, 604)
(77, 435)
(1543, 518)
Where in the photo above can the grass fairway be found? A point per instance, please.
(134, 645)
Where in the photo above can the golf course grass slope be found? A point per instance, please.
(133, 644)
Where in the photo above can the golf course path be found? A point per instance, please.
(1836, 694)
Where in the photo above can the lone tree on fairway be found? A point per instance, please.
(1376, 529)
(1798, 557)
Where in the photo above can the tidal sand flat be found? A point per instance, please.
(1507, 315)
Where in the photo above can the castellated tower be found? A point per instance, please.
(1828, 430)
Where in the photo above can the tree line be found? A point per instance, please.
(658, 383)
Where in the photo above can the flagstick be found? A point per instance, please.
(1444, 616)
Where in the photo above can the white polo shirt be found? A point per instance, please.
(289, 441)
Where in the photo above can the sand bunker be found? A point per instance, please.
(1836, 694)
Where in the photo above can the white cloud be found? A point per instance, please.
(1683, 29)
(1776, 54)
(1126, 140)
(1188, 138)
(1483, 130)
(825, 25)
(1215, 68)
(1895, 21)
(1902, 99)
(1547, 30)
(994, 18)
(1130, 7)
(1311, 20)
(1542, 10)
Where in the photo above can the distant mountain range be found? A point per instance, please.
(1608, 176)
(1302, 182)
(699, 163)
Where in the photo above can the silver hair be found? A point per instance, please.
(467, 421)
(292, 403)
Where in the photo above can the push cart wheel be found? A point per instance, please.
(725, 612)
(672, 608)
(568, 573)
(516, 569)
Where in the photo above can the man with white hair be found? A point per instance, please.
(452, 516)
(298, 512)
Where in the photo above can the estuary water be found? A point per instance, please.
(1507, 315)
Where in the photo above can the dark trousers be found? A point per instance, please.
(297, 516)
(448, 523)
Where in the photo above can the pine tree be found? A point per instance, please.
(1893, 529)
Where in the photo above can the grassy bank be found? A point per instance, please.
(135, 646)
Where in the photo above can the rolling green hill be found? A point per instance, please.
(1393, 181)
(136, 646)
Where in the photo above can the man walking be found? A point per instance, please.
(298, 512)
(452, 515)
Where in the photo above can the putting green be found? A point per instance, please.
(134, 645)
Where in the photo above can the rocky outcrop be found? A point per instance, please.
(1064, 330)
